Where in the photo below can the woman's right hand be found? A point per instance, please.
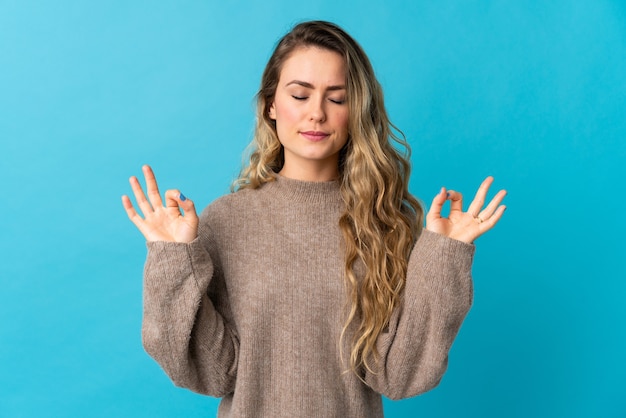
(161, 223)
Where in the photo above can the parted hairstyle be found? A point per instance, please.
(382, 220)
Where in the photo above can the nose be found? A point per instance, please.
(317, 111)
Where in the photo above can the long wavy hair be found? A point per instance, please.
(382, 220)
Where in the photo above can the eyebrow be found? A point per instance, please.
(311, 86)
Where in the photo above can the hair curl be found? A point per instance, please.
(382, 220)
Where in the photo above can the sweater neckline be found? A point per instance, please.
(306, 191)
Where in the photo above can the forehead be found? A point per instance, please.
(314, 65)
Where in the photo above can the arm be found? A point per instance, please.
(437, 296)
(181, 330)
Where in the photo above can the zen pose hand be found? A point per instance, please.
(465, 226)
(161, 223)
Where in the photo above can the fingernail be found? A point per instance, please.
(448, 195)
(182, 197)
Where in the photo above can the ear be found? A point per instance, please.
(272, 112)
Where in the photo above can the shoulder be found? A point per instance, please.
(223, 205)
(233, 205)
(233, 214)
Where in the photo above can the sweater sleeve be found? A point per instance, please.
(181, 328)
(437, 296)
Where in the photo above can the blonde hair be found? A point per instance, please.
(382, 220)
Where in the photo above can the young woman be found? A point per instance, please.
(312, 289)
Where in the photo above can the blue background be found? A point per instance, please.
(531, 92)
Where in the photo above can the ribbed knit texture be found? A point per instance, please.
(253, 309)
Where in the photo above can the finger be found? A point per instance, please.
(174, 199)
(437, 205)
(131, 212)
(188, 206)
(492, 220)
(493, 205)
(140, 197)
(128, 206)
(152, 187)
(479, 198)
(136, 219)
(456, 201)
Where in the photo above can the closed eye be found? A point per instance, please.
(299, 97)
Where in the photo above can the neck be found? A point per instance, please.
(310, 173)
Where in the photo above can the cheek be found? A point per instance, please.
(343, 120)
(285, 114)
(342, 126)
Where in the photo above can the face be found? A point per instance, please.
(311, 113)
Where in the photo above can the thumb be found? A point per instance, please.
(187, 205)
(174, 199)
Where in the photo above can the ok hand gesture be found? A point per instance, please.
(161, 223)
(465, 226)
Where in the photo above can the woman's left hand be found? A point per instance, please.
(465, 226)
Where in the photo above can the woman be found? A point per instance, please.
(312, 289)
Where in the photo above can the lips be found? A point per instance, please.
(314, 135)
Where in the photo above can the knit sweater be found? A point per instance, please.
(253, 309)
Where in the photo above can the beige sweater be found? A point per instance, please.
(253, 309)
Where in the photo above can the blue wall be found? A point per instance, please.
(531, 92)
